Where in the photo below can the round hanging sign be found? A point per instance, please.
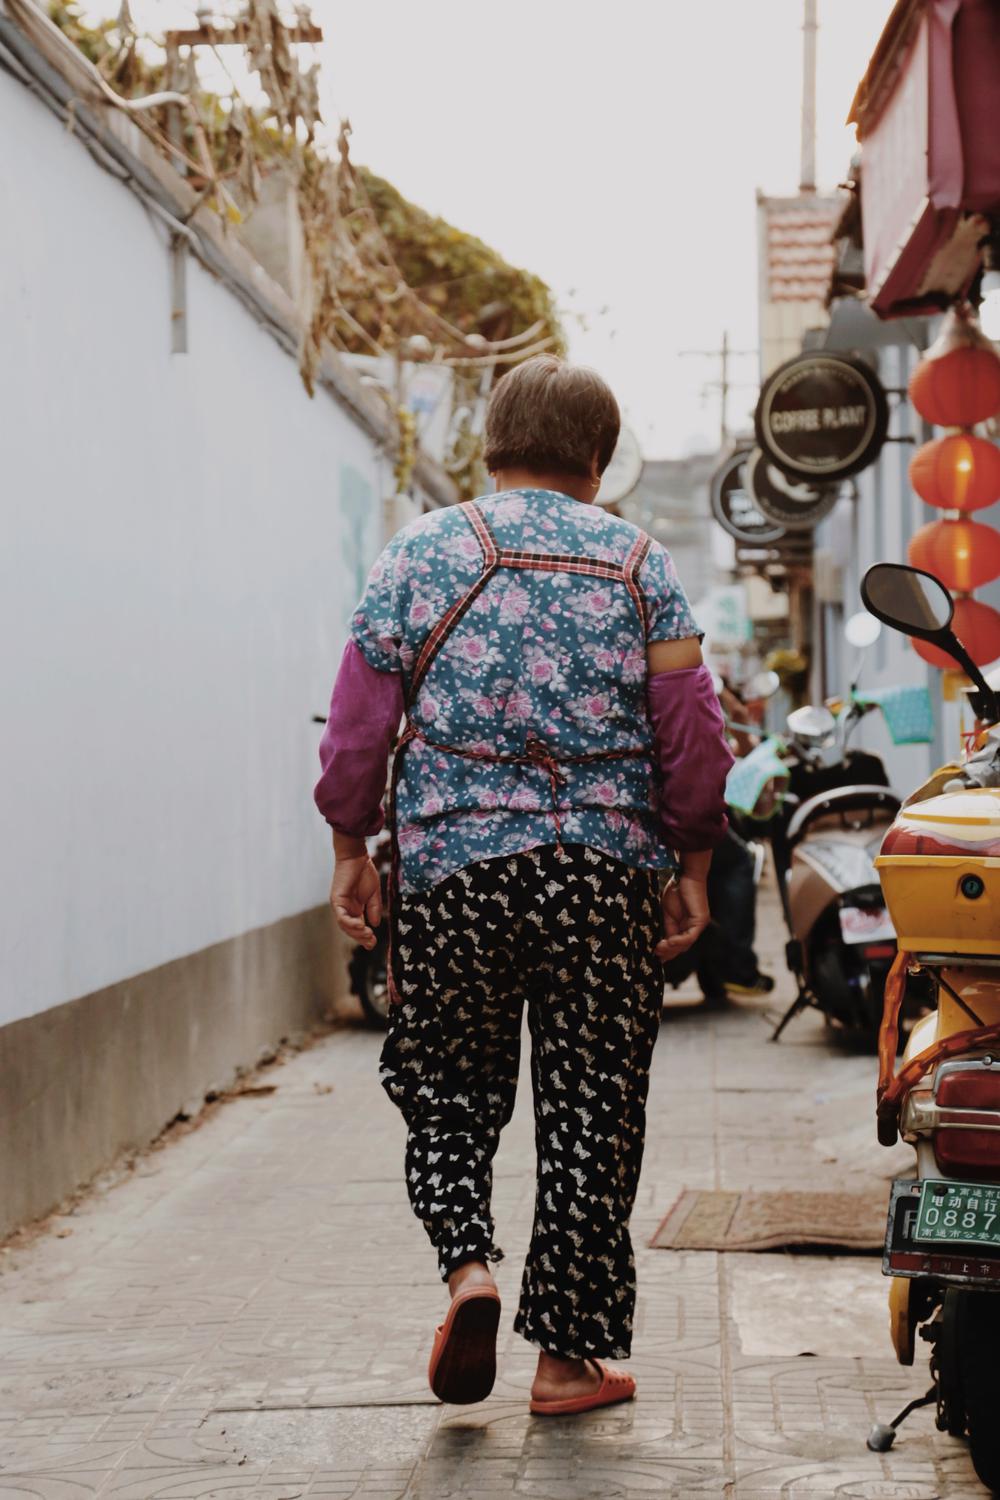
(786, 501)
(822, 416)
(734, 507)
(623, 472)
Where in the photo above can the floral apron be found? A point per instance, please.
(536, 753)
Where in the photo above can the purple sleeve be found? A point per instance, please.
(354, 752)
(693, 757)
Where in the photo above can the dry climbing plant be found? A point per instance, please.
(292, 93)
(378, 271)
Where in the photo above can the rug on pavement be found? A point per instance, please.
(707, 1220)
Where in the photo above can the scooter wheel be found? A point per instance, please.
(947, 1366)
(370, 981)
(978, 1337)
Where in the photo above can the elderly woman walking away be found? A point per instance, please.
(562, 751)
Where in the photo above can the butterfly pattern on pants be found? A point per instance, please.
(494, 937)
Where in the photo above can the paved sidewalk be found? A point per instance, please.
(249, 1313)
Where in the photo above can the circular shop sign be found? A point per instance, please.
(623, 472)
(823, 416)
(786, 501)
(734, 507)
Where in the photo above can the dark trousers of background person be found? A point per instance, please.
(570, 934)
(724, 954)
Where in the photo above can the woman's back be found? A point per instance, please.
(549, 655)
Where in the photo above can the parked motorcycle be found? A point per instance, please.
(841, 940)
(940, 869)
(825, 831)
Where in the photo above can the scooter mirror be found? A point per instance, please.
(762, 685)
(862, 630)
(919, 604)
(908, 600)
(816, 726)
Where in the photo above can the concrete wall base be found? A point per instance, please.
(103, 1074)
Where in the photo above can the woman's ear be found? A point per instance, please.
(595, 470)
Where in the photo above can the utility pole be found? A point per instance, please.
(810, 26)
(724, 383)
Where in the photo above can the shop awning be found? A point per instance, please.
(926, 114)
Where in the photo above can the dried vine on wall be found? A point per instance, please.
(382, 275)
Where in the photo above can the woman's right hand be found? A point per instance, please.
(685, 908)
(356, 891)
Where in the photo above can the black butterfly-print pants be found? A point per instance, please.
(570, 932)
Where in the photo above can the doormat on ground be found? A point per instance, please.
(704, 1220)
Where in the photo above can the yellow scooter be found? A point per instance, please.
(940, 870)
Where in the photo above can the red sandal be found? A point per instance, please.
(614, 1387)
(463, 1365)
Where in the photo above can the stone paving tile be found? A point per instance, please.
(82, 1486)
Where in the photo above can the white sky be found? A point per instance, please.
(612, 148)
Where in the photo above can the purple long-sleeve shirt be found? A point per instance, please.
(365, 712)
(690, 749)
(692, 754)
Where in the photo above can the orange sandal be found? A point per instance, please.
(614, 1387)
(463, 1365)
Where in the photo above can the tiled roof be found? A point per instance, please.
(798, 249)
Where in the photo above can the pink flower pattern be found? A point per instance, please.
(552, 657)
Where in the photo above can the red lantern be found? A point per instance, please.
(977, 627)
(959, 472)
(963, 554)
(957, 383)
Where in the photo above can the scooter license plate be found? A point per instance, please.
(958, 1213)
(866, 924)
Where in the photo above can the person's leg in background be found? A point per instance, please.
(725, 956)
(589, 934)
(737, 897)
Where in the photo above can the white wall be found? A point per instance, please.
(183, 537)
(876, 528)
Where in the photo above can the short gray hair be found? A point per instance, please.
(551, 417)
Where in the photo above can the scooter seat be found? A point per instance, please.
(841, 801)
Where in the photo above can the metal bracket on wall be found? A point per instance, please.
(178, 246)
(178, 294)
